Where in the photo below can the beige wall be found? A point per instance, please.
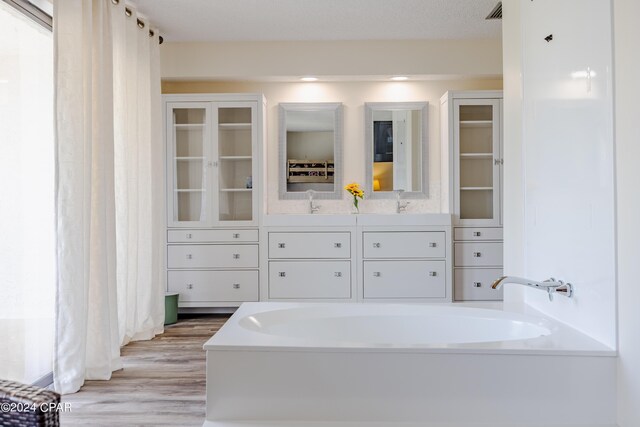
(353, 95)
(260, 60)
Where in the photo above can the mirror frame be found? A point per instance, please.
(336, 107)
(369, 108)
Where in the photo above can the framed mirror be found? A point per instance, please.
(396, 144)
(310, 150)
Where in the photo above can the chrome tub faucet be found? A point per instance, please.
(551, 286)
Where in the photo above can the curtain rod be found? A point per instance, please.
(140, 23)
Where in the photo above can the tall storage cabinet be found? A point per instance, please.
(472, 134)
(214, 152)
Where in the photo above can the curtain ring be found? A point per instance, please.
(140, 24)
(116, 2)
(127, 11)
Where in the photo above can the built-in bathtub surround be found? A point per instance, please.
(405, 365)
(567, 199)
(353, 95)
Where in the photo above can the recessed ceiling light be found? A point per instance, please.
(309, 79)
(399, 78)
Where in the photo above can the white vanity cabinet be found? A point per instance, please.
(471, 123)
(214, 197)
(308, 264)
(401, 264)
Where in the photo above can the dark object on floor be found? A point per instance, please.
(28, 406)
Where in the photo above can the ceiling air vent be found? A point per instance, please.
(496, 13)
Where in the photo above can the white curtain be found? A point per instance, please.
(138, 178)
(109, 200)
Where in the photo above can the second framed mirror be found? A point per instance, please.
(396, 144)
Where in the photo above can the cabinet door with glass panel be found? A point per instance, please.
(478, 161)
(235, 162)
(211, 148)
(188, 163)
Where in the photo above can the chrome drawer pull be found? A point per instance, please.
(376, 274)
(282, 274)
(376, 245)
(477, 254)
(189, 285)
(236, 286)
(236, 256)
(476, 234)
(189, 235)
(432, 245)
(433, 273)
(189, 256)
(477, 284)
(281, 245)
(337, 274)
(337, 245)
(236, 235)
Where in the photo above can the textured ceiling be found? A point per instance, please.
(262, 20)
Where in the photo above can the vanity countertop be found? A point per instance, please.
(345, 220)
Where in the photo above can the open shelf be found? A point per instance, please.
(234, 126)
(235, 157)
(189, 125)
(476, 155)
(188, 190)
(476, 188)
(235, 190)
(476, 123)
(184, 158)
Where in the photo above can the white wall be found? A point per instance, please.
(567, 171)
(513, 188)
(353, 95)
(260, 60)
(627, 125)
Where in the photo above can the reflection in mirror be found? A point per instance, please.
(396, 144)
(310, 144)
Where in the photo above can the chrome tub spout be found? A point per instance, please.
(551, 286)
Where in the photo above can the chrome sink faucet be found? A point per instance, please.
(313, 208)
(551, 286)
(400, 206)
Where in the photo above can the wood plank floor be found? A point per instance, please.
(162, 383)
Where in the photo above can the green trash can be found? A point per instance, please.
(170, 308)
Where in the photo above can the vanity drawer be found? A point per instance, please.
(474, 284)
(309, 245)
(204, 236)
(220, 286)
(486, 254)
(410, 244)
(477, 233)
(404, 279)
(212, 256)
(309, 279)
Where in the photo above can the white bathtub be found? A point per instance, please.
(404, 365)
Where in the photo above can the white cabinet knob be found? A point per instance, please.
(376, 274)
(337, 245)
(477, 254)
(281, 245)
(282, 274)
(477, 234)
(189, 235)
(236, 235)
(477, 284)
(433, 244)
(189, 285)
(376, 245)
(337, 274)
(189, 256)
(433, 273)
(236, 256)
(236, 286)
